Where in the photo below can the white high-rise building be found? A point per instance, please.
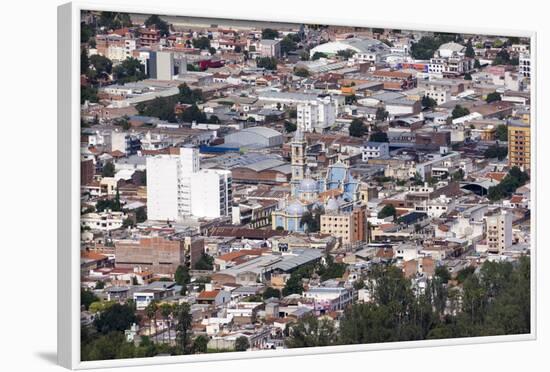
(176, 187)
(211, 194)
(316, 116)
(169, 184)
(499, 232)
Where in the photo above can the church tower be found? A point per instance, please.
(298, 160)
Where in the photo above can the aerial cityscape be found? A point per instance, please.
(255, 185)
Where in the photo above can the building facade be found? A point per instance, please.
(519, 145)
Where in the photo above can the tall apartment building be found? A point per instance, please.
(161, 255)
(499, 232)
(519, 145)
(349, 226)
(169, 184)
(211, 193)
(525, 65)
(316, 116)
(149, 37)
(270, 48)
(176, 187)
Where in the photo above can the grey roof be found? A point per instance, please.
(264, 164)
(303, 257)
(262, 131)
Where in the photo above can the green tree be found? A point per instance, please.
(387, 210)
(117, 317)
(269, 63)
(428, 102)
(201, 43)
(467, 76)
(379, 136)
(381, 114)
(158, 23)
(502, 133)
(496, 151)
(493, 97)
(345, 53)
(108, 169)
(301, 72)
(357, 128)
(166, 310)
(151, 313)
(101, 65)
(318, 55)
(200, 344)
(183, 326)
(129, 70)
(290, 127)
(206, 262)
(87, 297)
(114, 20)
(242, 343)
(311, 331)
(269, 33)
(469, 52)
(459, 112)
(271, 292)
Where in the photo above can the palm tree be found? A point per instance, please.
(151, 312)
(166, 311)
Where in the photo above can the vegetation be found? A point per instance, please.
(502, 133)
(157, 22)
(289, 43)
(459, 112)
(427, 45)
(514, 179)
(379, 136)
(201, 43)
(318, 55)
(493, 97)
(269, 33)
(130, 70)
(381, 114)
(206, 262)
(346, 53)
(114, 20)
(242, 343)
(87, 297)
(271, 292)
(269, 63)
(301, 72)
(290, 127)
(357, 128)
(469, 52)
(428, 102)
(310, 331)
(387, 211)
(496, 151)
(108, 169)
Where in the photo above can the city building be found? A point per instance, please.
(375, 150)
(211, 193)
(519, 145)
(270, 48)
(499, 232)
(169, 183)
(350, 227)
(158, 254)
(316, 116)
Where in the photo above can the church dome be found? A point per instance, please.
(295, 208)
(308, 185)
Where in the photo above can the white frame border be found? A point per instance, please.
(68, 95)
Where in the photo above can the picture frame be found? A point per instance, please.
(69, 205)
